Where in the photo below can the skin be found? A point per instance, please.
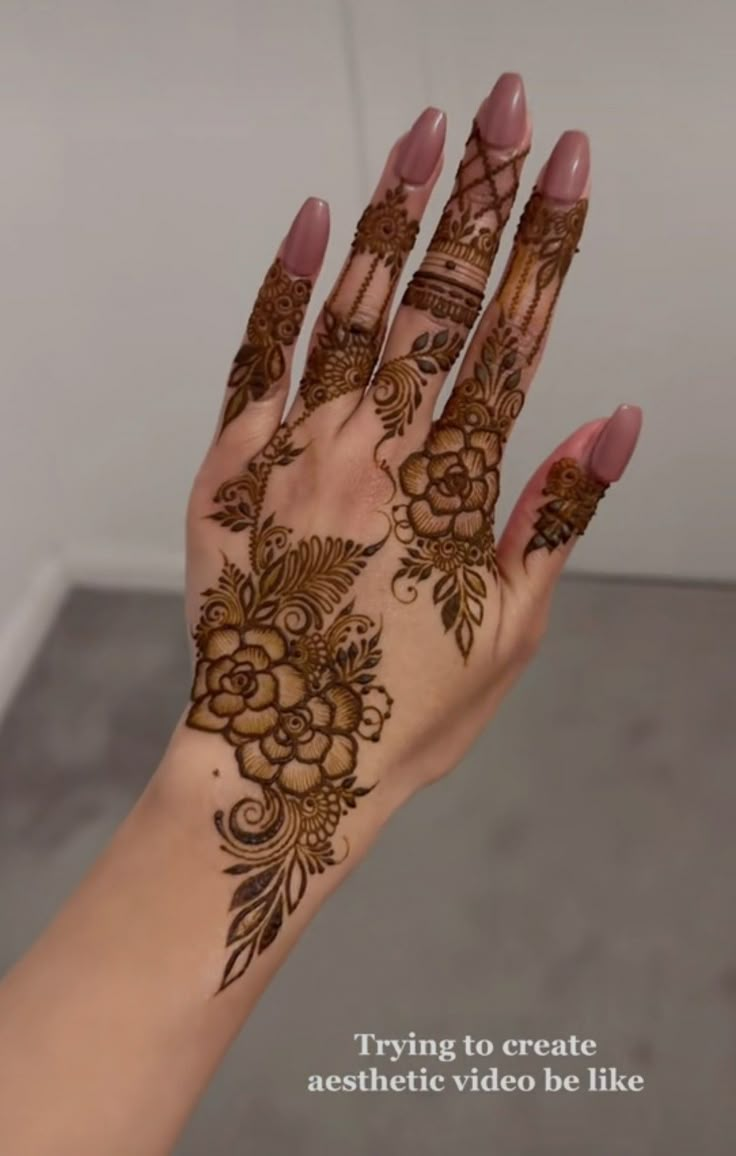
(112, 1022)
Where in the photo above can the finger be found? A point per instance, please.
(259, 378)
(446, 492)
(506, 349)
(348, 336)
(560, 500)
(444, 297)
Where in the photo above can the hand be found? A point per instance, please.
(355, 624)
(356, 621)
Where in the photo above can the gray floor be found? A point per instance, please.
(576, 875)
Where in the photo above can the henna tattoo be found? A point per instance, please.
(386, 232)
(450, 283)
(286, 674)
(346, 351)
(286, 666)
(398, 385)
(341, 361)
(274, 324)
(574, 496)
(451, 280)
(451, 486)
(546, 241)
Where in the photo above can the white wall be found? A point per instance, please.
(154, 152)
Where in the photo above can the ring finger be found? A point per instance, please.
(347, 340)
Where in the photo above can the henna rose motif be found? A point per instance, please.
(453, 483)
(262, 704)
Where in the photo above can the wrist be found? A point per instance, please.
(267, 856)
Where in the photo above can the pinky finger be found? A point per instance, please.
(561, 498)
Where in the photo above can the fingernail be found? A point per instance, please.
(615, 444)
(422, 147)
(306, 240)
(502, 116)
(565, 175)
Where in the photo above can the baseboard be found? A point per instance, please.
(24, 631)
(102, 566)
(110, 567)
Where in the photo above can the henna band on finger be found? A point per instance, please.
(450, 283)
(573, 495)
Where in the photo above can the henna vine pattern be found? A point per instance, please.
(275, 323)
(548, 238)
(286, 673)
(574, 496)
(451, 486)
(286, 666)
(346, 349)
(399, 383)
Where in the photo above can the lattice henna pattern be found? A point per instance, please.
(450, 283)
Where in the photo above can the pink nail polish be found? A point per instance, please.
(422, 147)
(502, 116)
(566, 173)
(306, 240)
(615, 444)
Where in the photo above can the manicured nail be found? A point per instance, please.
(502, 115)
(615, 444)
(306, 240)
(565, 175)
(422, 147)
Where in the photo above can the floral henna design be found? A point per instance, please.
(399, 383)
(274, 324)
(451, 487)
(286, 673)
(451, 281)
(386, 232)
(346, 351)
(574, 496)
(341, 361)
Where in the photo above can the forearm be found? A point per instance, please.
(112, 1024)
